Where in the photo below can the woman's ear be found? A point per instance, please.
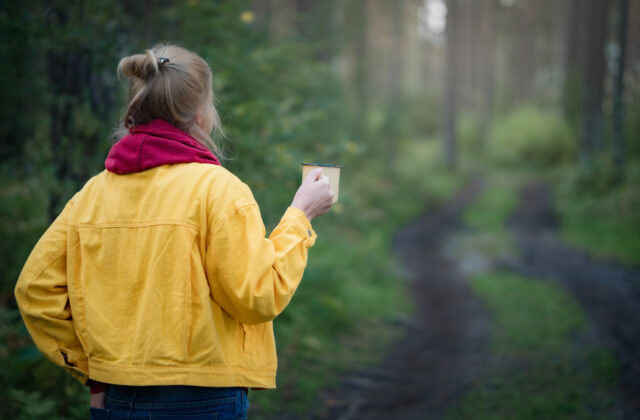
(205, 117)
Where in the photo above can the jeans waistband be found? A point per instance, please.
(167, 395)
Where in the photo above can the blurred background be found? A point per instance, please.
(483, 260)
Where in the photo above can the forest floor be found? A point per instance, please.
(446, 350)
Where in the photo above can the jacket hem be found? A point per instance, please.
(181, 375)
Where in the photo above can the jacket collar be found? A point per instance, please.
(154, 144)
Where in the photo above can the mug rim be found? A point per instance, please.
(322, 164)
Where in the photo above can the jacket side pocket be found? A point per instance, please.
(245, 337)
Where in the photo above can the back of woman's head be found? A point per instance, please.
(172, 84)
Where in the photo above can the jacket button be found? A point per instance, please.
(309, 232)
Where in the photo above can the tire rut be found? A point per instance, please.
(607, 291)
(444, 345)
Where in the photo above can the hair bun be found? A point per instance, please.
(143, 66)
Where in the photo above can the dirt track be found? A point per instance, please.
(608, 293)
(444, 346)
(444, 350)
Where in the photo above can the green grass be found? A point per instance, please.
(490, 211)
(610, 239)
(558, 388)
(543, 372)
(529, 315)
(605, 224)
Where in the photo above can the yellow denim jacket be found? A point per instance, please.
(163, 277)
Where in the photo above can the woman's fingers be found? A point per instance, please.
(314, 175)
(314, 196)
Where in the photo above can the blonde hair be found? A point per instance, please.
(170, 83)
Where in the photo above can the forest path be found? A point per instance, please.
(608, 293)
(444, 347)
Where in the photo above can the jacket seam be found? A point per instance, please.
(55, 257)
(223, 275)
(36, 321)
(295, 224)
(284, 223)
(228, 213)
(52, 259)
(297, 227)
(187, 368)
(190, 226)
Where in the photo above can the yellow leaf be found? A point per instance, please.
(247, 16)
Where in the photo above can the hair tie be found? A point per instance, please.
(162, 60)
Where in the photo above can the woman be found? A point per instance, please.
(156, 284)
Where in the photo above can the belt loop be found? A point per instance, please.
(133, 399)
(238, 402)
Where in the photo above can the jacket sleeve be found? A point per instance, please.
(251, 277)
(43, 300)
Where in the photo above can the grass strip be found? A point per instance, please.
(490, 211)
(542, 369)
(604, 222)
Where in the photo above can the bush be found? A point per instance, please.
(603, 219)
(532, 137)
(469, 130)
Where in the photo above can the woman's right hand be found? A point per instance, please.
(314, 197)
(98, 400)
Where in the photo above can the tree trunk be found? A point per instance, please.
(394, 83)
(464, 46)
(525, 51)
(360, 15)
(592, 121)
(487, 69)
(618, 92)
(451, 84)
(573, 59)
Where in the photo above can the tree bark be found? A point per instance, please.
(618, 92)
(451, 84)
(592, 121)
(525, 51)
(573, 59)
(358, 13)
(394, 82)
(487, 79)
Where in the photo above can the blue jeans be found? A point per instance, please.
(173, 402)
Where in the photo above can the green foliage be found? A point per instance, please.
(469, 132)
(22, 221)
(422, 112)
(545, 374)
(632, 128)
(420, 168)
(604, 221)
(528, 136)
(31, 387)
